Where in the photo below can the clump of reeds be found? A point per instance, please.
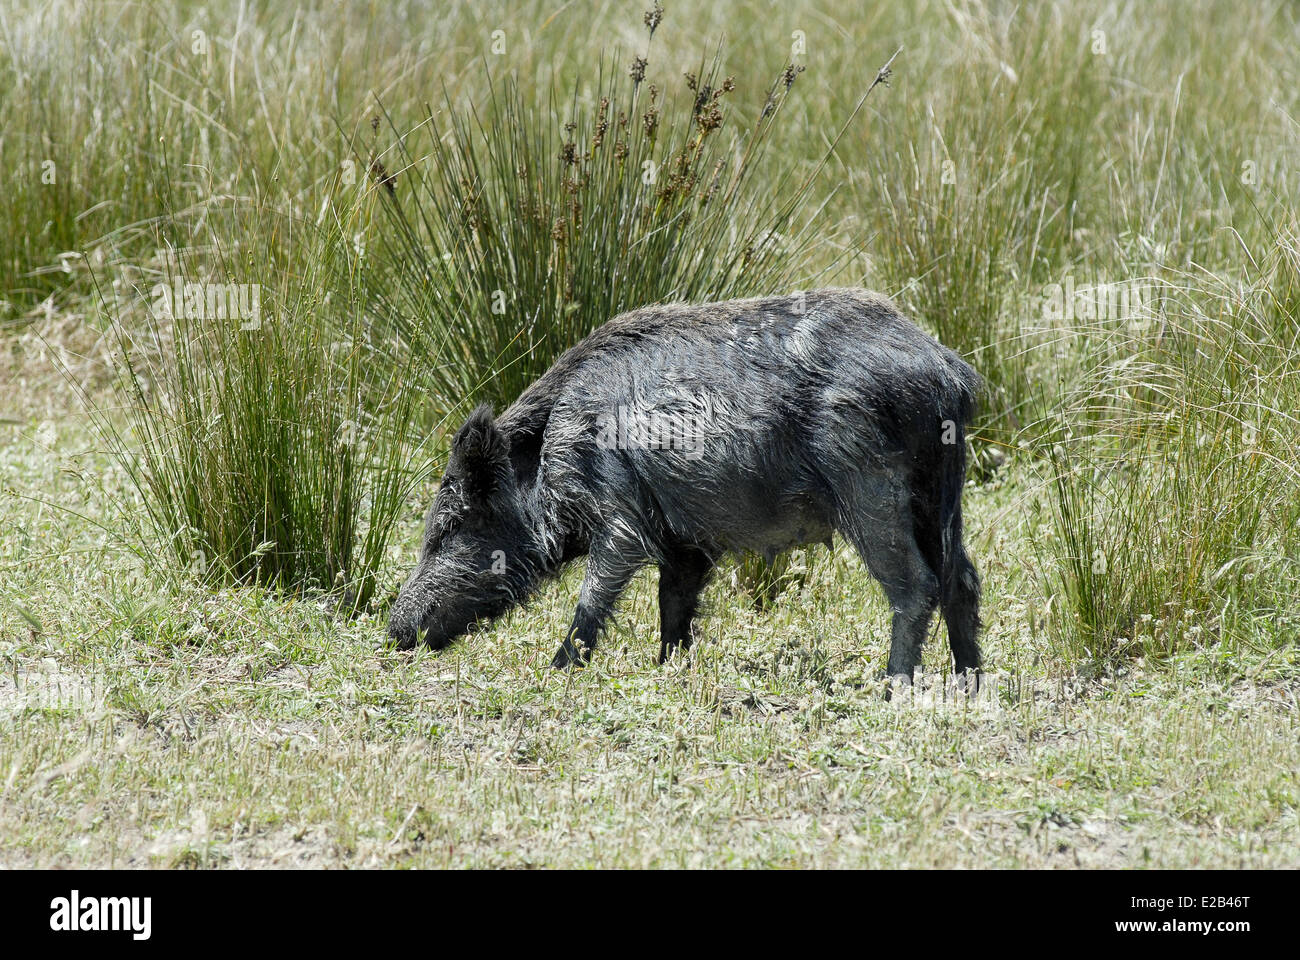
(266, 448)
(519, 225)
(1172, 484)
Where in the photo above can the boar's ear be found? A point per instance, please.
(480, 456)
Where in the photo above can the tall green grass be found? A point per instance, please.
(188, 145)
(116, 115)
(979, 184)
(82, 127)
(1174, 485)
(271, 446)
(520, 223)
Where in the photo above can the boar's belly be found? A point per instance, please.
(765, 526)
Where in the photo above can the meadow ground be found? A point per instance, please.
(1134, 505)
(148, 725)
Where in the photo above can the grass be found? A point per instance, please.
(1133, 512)
(518, 224)
(201, 727)
(1175, 511)
(265, 442)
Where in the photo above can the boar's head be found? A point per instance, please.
(476, 561)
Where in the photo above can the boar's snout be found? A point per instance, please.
(404, 623)
(413, 611)
(402, 635)
(433, 607)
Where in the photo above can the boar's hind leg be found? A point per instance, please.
(609, 568)
(681, 578)
(879, 525)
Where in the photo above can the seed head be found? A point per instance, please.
(602, 123)
(654, 17)
(380, 174)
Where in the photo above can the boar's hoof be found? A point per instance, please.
(438, 642)
(402, 639)
(667, 649)
(969, 682)
(570, 656)
(898, 681)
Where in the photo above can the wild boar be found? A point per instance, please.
(675, 434)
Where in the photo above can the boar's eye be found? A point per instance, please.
(447, 510)
(443, 515)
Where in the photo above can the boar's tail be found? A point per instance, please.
(959, 583)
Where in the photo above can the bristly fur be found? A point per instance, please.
(826, 411)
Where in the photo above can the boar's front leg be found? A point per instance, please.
(682, 576)
(610, 565)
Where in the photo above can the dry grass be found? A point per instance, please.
(146, 726)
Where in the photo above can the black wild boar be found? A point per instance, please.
(674, 434)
